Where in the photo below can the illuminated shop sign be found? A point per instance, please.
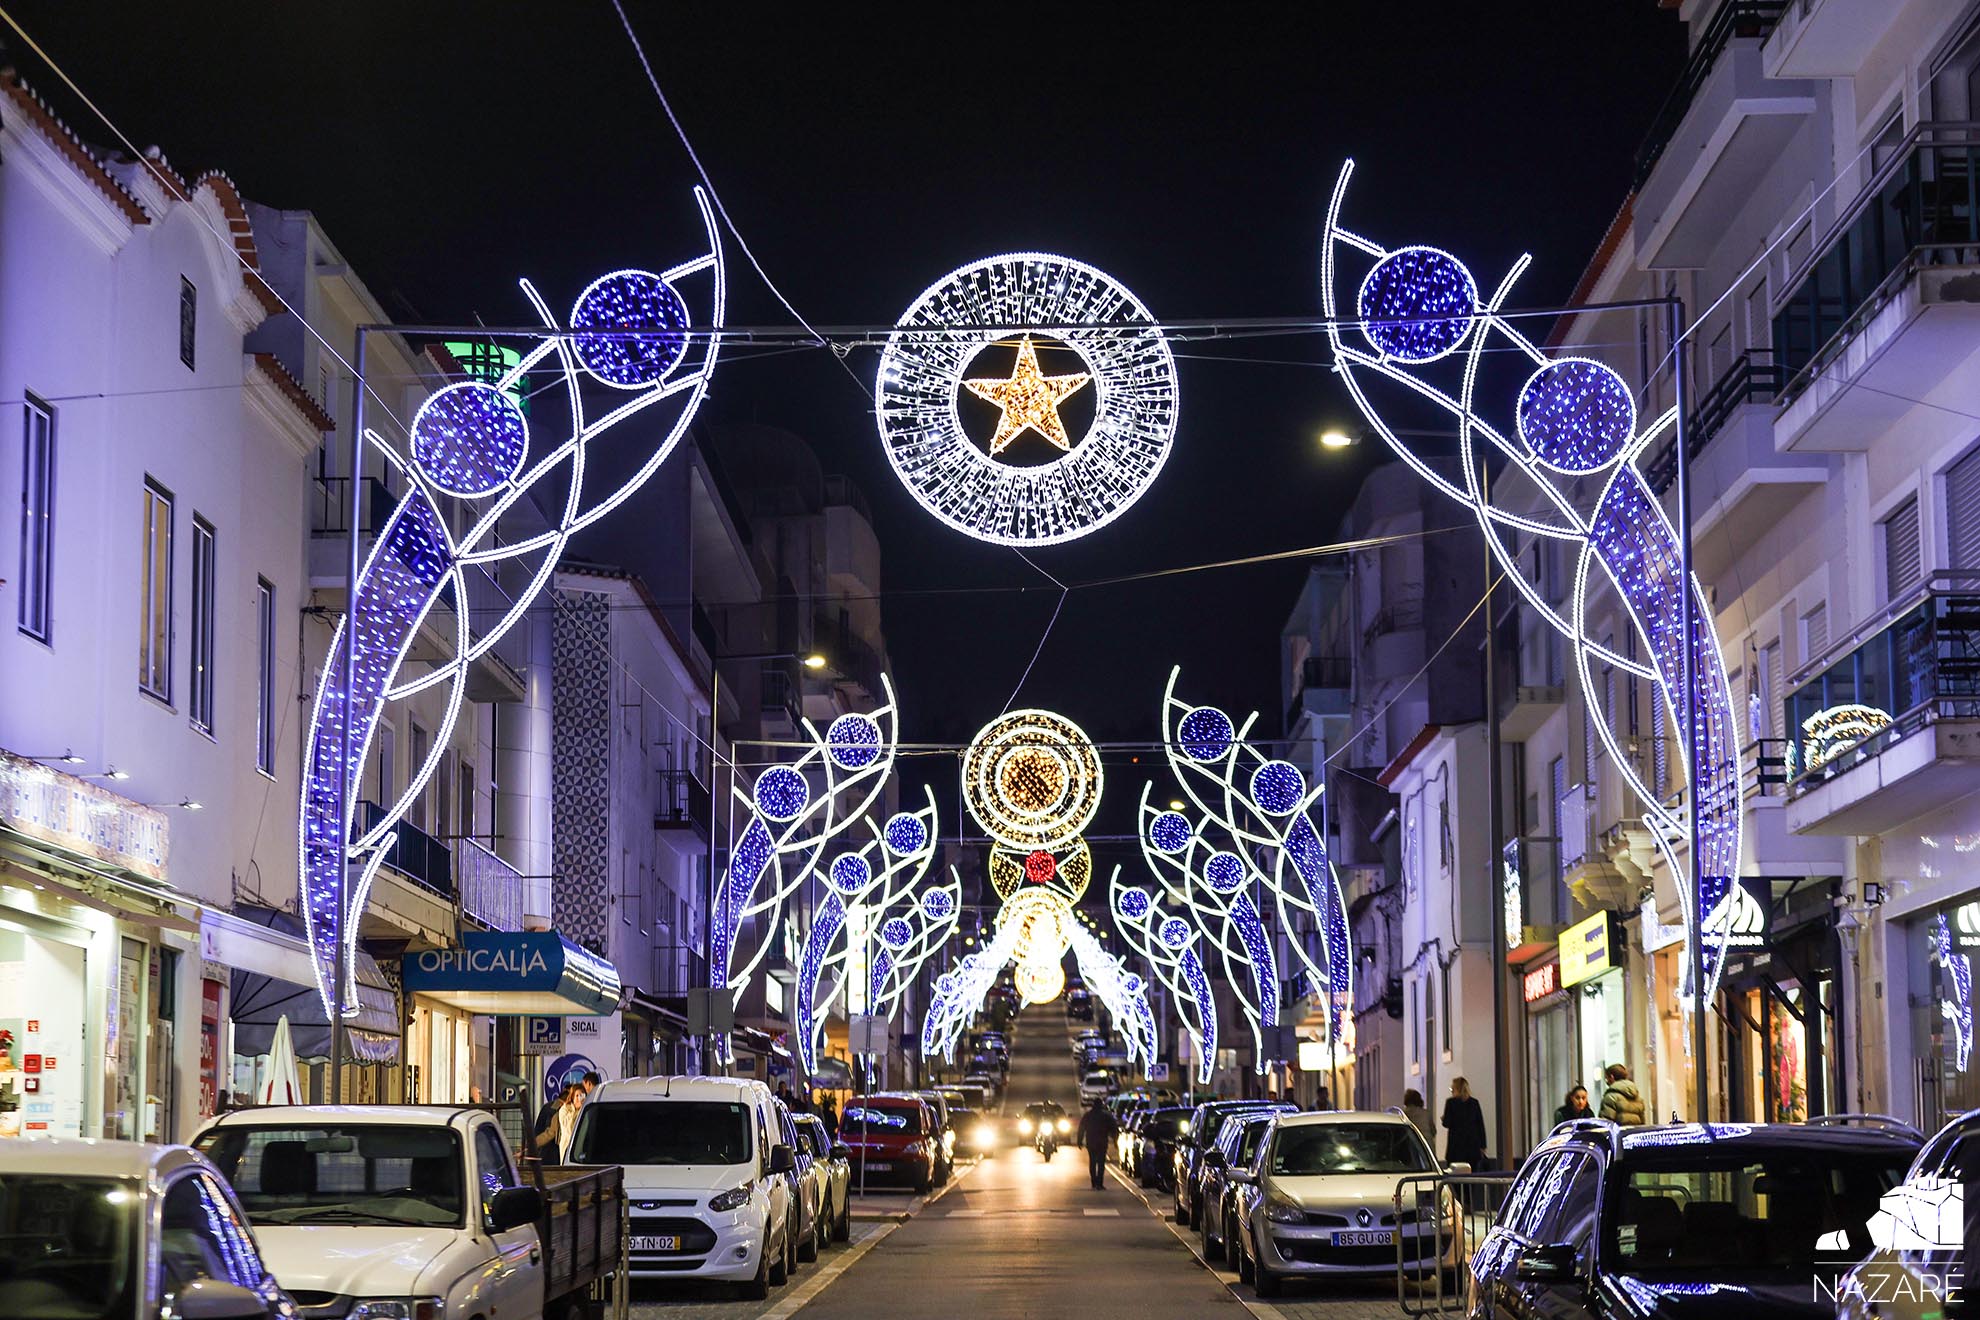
(1541, 981)
(1591, 947)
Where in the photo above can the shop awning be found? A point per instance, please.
(510, 972)
(832, 1075)
(273, 979)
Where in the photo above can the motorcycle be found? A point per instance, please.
(1049, 1133)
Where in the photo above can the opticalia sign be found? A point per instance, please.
(1591, 947)
(1541, 981)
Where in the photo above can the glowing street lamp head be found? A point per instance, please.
(814, 661)
(1335, 438)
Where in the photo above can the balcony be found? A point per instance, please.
(491, 890)
(1889, 728)
(684, 805)
(1326, 685)
(412, 896)
(1827, 38)
(848, 656)
(783, 702)
(1896, 272)
(1723, 124)
(330, 507)
(1747, 382)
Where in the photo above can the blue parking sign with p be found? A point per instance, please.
(541, 1032)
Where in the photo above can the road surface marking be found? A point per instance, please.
(1101, 1214)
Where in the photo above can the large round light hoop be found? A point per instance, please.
(1032, 779)
(1124, 358)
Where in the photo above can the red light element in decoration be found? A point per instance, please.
(1039, 868)
(1541, 981)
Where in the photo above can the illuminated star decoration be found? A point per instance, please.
(1085, 486)
(1029, 399)
(1574, 428)
(469, 443)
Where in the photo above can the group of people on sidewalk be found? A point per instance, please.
(1464, 1118)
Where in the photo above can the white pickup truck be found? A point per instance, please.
(415, 1212)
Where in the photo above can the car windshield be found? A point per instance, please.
(882, 1121)
(1697, 1212)
(1043, 1109)
(364, 1173)
(710, 1132)
(1317, 1149)
(67, 1246)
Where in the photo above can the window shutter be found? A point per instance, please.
(1774, 695)
(1963, 511)
(1901, 557)
(1814, 634)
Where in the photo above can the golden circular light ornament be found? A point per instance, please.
(1032, 779)
(1040, 983)
(1071, 871)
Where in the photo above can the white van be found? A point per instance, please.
(708, 1176)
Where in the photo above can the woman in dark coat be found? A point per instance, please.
(1464, 1125)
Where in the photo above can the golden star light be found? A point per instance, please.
(1030, 399)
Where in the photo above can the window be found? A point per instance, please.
(491, 1163)
(1557, 783)
(188, 320)
(155, 600)
(443, 795)
(467, 799)
(1902, 562)
(200, 1237)
(1963, 512)
(38, 521)
(388, 777)
(204, 579)
(416, 813)
(1769, 677)
(1444, 990)
(264, 677)
(1814, 633)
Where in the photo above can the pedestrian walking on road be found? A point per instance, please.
(1414, 1111)
(1576, 1107)
(1622, 1103)
(1464, 1126)
(1096, 1132)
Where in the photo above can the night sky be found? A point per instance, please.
(449, 148)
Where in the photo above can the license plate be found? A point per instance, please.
(649, 1243)
(879, 1166)
(1365, 1238)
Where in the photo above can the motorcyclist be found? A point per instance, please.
(1097, 1127)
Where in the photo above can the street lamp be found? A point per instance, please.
(1336, 438)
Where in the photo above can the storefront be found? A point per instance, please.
(1778, 998)
(1941, 947)
(1669, 1077)
(1594, 958)
(1550, 1053)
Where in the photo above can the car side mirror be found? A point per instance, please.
(1213, 1159)
(512, 1207)
(781, 1159)
(213, 1299)
(841, 1151)
(1456, 1166)
(1552, 1263)
(1244, 1177)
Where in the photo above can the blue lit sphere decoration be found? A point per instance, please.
(850, 873)
(1576, 414)
(854, 741)
(1131, 985)
(469, 439)
(937, 904)
(1224, 872)
(1205, 733)
(1174, 933)
(946, 983)
(1417, 304)
(895, 932)
(905, 835)
(1132, 903)
(630, 300)
(1277, 787)
(1169, 832)
(781, 793)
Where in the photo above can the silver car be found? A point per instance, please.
(835, 1184)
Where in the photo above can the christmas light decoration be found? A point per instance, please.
(1574, 417)
(1956, 1004)
(1032, 779)
(470, 442)
(980, 489)
(1834, 730)
(1166, 945)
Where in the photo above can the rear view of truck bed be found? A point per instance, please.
(583, 1230)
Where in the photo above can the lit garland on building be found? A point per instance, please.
(470, 442)
(1835, 729)
(980, 489)
(1573, 416)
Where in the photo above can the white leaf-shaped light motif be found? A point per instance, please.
(1122, 991)
(1171, 948)
(797, 811)
(959, 991)
(470, 442)
(1574, 423)
(1245, 845)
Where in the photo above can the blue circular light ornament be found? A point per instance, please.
(1417, 304)
(781, 793)
(850, 873)
(1277, 787)
(946, 983)
(629, 300)
(937, 904)
(1131, 984)
(1576, 414)
(1169, 832)
(853, 741)
(905, 835)
(1174, 933)
(469, 439)
(1205, 733)
(1224, 872)
(1132, 903)
(895, 932)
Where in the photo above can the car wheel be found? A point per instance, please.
(843, 1230)
(780, 1273)
(808, 1249)
(1243, 1263)
(1181, 1215)
(1263, 1281)
(758, 1288)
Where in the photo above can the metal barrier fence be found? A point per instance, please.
(1462, 1208)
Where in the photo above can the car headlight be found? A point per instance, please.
(733, 1199)
(1024, 1126)
(1065, 1125)
(985, 1135)
(398, 1308)
(1284, 1212)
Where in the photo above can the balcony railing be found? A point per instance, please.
(1763, 768)
(491, 889)
(848, 654)
(1747, 380)
(1395, 616)
(783, 699)
(1326, 673)
(1733, 19)
(1922, 667)
(684, 802)
(331, 506)
(1920, 210)
(841, 490)
(415, 854)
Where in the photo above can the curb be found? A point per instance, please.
(1264, 1310)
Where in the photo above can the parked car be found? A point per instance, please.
(379, 1204)
(1710, 1220)
(1097, 1085)
(992, 1087)
(1129, 1139)
(1918, 1235)
(1320, 1201)
(127, 1230)
(707, 1171)
(1237, 1146)
(1079, 1006)
(1156, 1139)
(944, 1132)
(892, 1139)
(835, 1162)
(1204, 1125)
(807, 1181)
